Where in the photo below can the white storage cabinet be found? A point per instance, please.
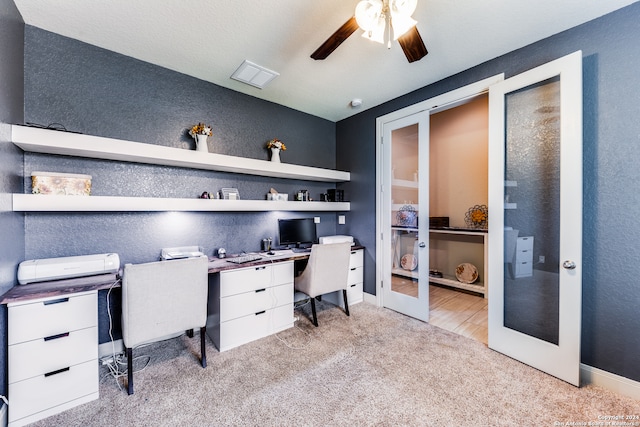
(250, 303)
(355, 292)
(53, 355)
(524, 257)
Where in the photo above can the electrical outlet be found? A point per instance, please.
(541, 259)
(316, 219)
(341, 219)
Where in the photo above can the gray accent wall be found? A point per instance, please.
(611, 59)
(97, 92)
(11, 111)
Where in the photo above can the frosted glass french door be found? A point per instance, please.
(535, 217)
(405, 215)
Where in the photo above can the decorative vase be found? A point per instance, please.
(201, 143)
(275, 155)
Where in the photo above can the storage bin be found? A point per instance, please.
(280, 197)
(56, 183)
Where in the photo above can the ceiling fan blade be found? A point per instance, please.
(336, 39)
(412, 45)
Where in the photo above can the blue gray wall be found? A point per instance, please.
(98, 92)
(611, 51)
(11, 111)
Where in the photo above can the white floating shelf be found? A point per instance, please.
(454, 283)
(404, 183)
(71, 144)
(479, 232)
(49, 203)
(447, 281)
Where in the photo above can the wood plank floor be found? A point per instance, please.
(451, 309)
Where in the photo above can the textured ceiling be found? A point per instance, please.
(209, 39)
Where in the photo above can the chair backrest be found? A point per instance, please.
(162, 298)
(327, 269)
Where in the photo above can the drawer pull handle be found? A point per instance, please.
(56, 301)
(261, 312)
(353, 252)
(261, 290)
(55, 337)
(59, 371)
(261, 268)
(353, 269)
(353, 286)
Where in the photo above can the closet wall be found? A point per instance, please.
(458, 180)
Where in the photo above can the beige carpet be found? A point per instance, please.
(376, 367)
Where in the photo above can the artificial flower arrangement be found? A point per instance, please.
(276, 143)
(200, 129)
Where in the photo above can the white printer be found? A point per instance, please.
(42, 270)
(325, 240)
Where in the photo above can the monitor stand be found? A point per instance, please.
(301, 250)
(302, 247)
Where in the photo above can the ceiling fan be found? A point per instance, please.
(380, 20)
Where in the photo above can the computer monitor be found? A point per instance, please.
(297, 232)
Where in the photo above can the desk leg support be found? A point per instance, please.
(313, 311)
(346, 303)
(130, 371)
(203, 350)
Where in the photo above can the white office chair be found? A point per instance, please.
(327, 271)
(160, 299)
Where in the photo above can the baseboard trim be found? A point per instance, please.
(613, 382)
(106, 349)
(4, 419)
(370, 298)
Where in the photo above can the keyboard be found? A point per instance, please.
(244, 258)
(300, 250)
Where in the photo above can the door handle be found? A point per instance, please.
(422, 245)
(569, 265)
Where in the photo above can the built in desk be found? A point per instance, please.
(53, 326)
(255, 299)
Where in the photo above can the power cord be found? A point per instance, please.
(117, 363)
(307, 341)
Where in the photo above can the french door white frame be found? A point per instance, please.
(562, 360)
(429, 106)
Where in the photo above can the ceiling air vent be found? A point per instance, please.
(254, 75)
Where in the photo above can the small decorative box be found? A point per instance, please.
(56, 183)
(280, 197)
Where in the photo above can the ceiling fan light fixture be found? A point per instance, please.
(403, 7)
(368, 14)
(372, 17)
(377, 32)
(378, 19)
(401, 24)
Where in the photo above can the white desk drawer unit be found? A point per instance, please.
(53, 355)
(524, 257)
(355, 292)
(250, 303)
